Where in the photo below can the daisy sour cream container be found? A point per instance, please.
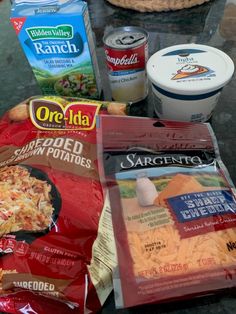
(187, 81)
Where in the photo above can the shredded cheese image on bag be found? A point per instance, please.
(183, 243)
(57, 247)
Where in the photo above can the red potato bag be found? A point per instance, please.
(56, 245)
(173, 210)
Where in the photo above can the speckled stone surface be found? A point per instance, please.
(213, 23)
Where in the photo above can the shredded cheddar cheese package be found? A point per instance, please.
(173, 209)
(57, 248)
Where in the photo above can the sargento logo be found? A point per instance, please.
(49, 115)
(136, 161)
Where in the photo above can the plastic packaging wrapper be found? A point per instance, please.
(54, 253)
(173, 210)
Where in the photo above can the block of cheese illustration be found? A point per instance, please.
(180, 184)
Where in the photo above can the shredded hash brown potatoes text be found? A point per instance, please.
(25, 201)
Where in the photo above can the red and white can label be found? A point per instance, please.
(126, 70)
(121, 60)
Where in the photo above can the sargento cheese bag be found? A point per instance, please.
(56, 242)
(173, 209)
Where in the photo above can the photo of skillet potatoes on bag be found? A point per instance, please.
(30, 202)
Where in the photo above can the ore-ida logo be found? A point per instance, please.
(50, 115)
(50, 32)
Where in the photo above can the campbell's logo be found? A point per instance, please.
(48, 115)
(125, 60)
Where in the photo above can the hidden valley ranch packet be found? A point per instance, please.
(57, 39)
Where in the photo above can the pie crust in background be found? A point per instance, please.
(156, 5)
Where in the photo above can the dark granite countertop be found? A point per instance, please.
(213, 23)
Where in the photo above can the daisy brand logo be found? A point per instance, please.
(50, 115)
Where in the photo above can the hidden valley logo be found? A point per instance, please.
(54, 41)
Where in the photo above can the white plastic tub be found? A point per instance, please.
(187, 81)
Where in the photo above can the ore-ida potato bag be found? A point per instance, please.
(56, 239)
(173, 209)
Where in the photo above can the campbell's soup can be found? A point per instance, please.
(126, 50)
